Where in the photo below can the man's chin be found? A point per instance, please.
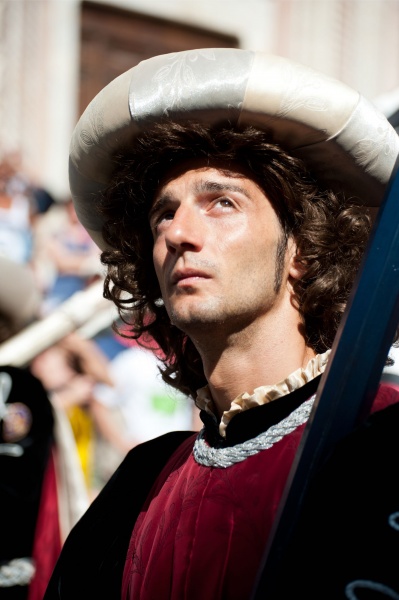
(193, 320)
(192, 323)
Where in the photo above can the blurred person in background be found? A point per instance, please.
(42, 493)
(20, 297)
(16, 213)
(112, 403)
(65, 258)
(139, 406)
(69, 371)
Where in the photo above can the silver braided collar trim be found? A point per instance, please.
(226, 457)
(19, 571)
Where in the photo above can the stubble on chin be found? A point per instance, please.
(196, 318)
(211, 321)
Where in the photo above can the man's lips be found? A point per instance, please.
(186, 275)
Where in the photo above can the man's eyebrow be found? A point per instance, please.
(208, 185)
(205, 185)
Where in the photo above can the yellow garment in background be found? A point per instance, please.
(83, 431)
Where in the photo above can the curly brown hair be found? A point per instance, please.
(330, 232)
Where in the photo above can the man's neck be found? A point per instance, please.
(251, 358)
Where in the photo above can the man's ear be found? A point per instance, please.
(296, 268)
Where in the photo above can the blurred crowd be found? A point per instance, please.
(69, 416)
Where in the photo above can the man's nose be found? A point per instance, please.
(185, 230)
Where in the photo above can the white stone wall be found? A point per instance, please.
(39, 64)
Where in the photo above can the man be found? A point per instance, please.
(227, 190)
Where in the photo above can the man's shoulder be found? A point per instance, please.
(158, 449)
(143, 462)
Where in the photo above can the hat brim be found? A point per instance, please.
(343, 139)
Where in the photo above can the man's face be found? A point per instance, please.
(219, 250)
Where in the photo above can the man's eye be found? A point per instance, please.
(225, 202)
(161, 218)
(166, 216)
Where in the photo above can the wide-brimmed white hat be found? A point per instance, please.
(344, 140)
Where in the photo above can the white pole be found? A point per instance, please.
(79, 311)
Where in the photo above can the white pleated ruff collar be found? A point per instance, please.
(263, 394)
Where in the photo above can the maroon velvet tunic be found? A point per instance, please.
(202, 532)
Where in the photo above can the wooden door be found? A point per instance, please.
(115, 39)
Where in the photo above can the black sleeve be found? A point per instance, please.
(93, 556)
